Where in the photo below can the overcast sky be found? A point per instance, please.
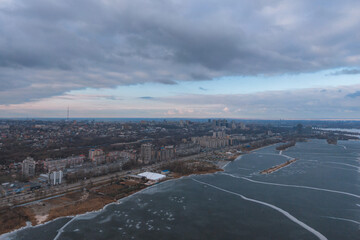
(265, 59)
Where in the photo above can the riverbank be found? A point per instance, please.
(92, 198)
(286, 146)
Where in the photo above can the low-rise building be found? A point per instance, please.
(151, 176)
(211, 142)
(186, 149)
(95, 152)
(97, 156)
(60, 164)
(56, 177)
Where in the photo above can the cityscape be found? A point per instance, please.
(151, 120)
(44, 159)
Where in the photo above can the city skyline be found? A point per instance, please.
(180, 59)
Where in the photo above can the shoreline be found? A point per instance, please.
(101, 202)
(77, 208)
(282, 165)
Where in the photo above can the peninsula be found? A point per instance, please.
(277, 167)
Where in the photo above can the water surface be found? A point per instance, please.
(316, 197)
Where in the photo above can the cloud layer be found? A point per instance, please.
(50, 47)
(311, 103)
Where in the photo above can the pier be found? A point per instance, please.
(277, 167)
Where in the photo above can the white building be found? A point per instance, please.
(152, 176)
(55, 178)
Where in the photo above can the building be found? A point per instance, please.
(100, 159)
(151, 176)
(146, 153)
(166, 153)
(136, 178)
(60, 164)
(186, 149)
(97, 156)
(113, 156)
(129, 155)
(120, 156)
(54, 164)
(28, 167)
(211, 142)
(220, 134)
(95, 152)
(56, 177)
(219, 123)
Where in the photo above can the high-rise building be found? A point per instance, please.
(166, 153)
(218, 140)
(146, 153)
(185, 149)
(219, 134)
(242, 126)
(28, 167)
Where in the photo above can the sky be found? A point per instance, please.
(252, 59)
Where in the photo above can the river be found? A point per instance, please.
(316, 197)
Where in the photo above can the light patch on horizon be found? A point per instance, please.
(234, 85)
(308, 103)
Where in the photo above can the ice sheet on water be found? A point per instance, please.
(88, 216)
(107, 219)
(177, 199)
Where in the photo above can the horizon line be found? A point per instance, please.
(197, 118)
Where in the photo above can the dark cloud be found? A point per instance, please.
(347, 72)
(167, 81)
(115, 98)
(147, 98)
(198, 76)
(50, 47)
(354, 95)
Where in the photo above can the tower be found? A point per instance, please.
(28, 167)
(146, 153)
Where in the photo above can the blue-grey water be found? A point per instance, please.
(317, 197)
